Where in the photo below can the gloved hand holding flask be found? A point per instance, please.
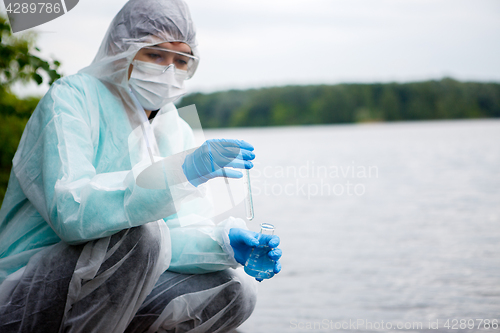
(211, 157)
(258, 252)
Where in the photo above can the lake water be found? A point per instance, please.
(381, 224)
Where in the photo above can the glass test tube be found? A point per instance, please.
(248, 196)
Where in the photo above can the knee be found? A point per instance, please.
(247, 294)
(240, 298)
(139, 244)
(138, 251)
(147, 240)
(213, 302)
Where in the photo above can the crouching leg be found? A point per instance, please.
(93, 287)
(213, 302)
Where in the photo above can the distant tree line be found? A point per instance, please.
(347, 103)
(298, 105)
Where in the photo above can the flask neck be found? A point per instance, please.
(266, 229)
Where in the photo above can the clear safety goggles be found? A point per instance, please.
(164, 58)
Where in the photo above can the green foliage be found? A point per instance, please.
(11, 128)
(17, 64)
(347, 103)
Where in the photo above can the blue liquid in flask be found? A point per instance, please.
(259, 265)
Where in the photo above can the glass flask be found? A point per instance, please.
(259, 265)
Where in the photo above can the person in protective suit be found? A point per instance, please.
(83, 247)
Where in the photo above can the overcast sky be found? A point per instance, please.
(255, 43)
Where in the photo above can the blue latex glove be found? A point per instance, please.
(212, 156)
(243, 241)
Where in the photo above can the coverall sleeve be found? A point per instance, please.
(55, 168)
(205, 248)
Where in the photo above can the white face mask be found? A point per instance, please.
(155, 85)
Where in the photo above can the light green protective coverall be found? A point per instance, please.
(72, 181)
(74, 173)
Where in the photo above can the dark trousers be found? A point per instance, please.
(117, 284)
